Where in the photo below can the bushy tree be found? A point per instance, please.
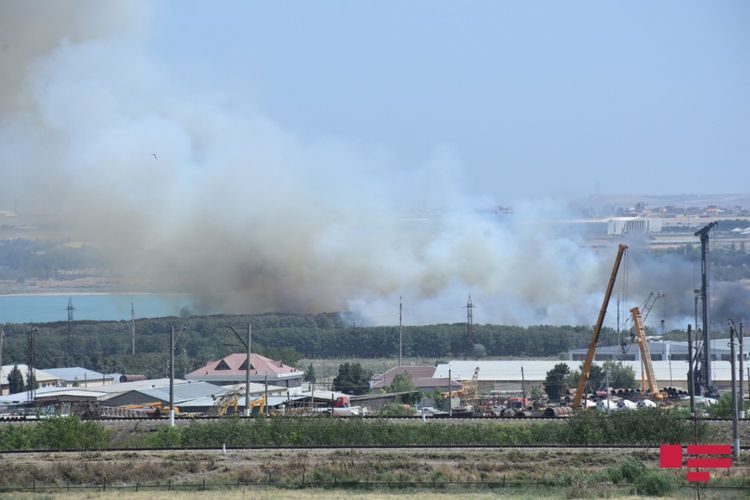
(620, 377)
(596, 380)
(402, 383)
(310, 374)
(352, 379)
(554, 382)
(15, 381)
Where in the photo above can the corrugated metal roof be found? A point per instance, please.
(139, 384)
(77, 373)
(184, 392)
(52, 391)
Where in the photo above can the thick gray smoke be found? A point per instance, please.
(195, 197)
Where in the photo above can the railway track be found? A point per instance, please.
(165, 419)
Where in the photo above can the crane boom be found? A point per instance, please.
(598, 328)
(640, 333)
(643, 345)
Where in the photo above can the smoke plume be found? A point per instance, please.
(249, 217)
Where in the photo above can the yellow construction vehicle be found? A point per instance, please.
(155, 409)
(648, 369)
(597, 329)
(231, 399)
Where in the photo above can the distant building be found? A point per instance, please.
(421, 377)
(659, 350)
(633, 225)
(231, 370)
(504, 376)
(43, 378)
(79, 377)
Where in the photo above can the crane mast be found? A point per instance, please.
(645, 354)
(598, 328)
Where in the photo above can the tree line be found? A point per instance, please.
(105, 345)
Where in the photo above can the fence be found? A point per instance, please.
(367, 484)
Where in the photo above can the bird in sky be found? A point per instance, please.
(154, 155)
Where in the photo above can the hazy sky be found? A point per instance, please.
(530, 97)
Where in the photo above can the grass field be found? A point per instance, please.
(470, 474)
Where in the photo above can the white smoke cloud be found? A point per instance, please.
(246, 215)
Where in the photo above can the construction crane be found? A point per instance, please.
(229, 398)
(598, 328)
(640, 334)
(645, 309)
(648, 304)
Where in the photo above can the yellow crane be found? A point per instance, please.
(640, 338)
(598, 328)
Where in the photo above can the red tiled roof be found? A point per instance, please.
(234, 364)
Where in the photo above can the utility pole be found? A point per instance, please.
(247, 371)
(450, 394)
(265, 393)
(735, 421)
(742, 368)
(30, 378)
(400, 330)
(523, 384)
(2, 336)
(470, 321)
(132, 325)
(171, 377)
(705, 369)
(691, 378)
(607, 383)
(70, 310)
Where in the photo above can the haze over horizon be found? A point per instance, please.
(268, 150)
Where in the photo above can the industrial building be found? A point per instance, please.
(505, 377)
(630, 225)
(43, 378)
(80, 377)
(421, 376)
(661, 350)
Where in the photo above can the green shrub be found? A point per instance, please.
(70, 433)
(632, 469)
(653, 483)
(651, 426)
(17, 437)
(166, 437)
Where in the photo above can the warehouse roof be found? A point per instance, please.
(182, 392)
(77, 373)
(39, 375)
